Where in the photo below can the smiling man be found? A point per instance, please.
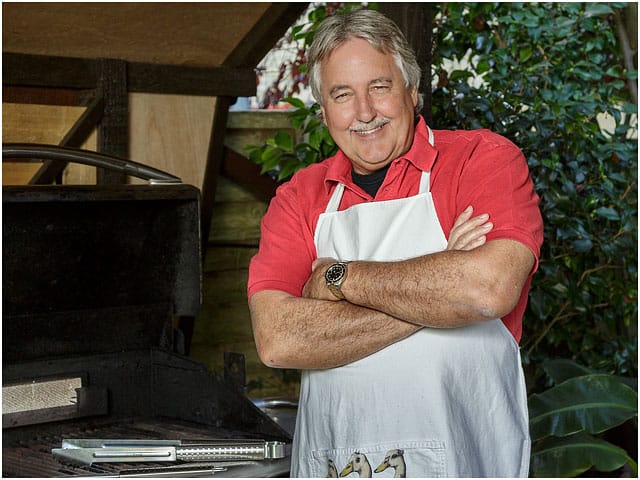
(373, 277)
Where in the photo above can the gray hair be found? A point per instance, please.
(372, 26)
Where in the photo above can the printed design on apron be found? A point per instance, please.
(359, 463)
(419, 458)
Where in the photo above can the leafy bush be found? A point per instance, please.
(549, 71)
(283, 155)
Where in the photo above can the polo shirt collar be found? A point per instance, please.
(421, 154)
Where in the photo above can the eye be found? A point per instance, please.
(380, 89)
(341, 96)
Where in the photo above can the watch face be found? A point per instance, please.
(335, 272)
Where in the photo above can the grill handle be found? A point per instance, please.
(86, 157)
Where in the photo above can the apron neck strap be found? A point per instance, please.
(334, 201)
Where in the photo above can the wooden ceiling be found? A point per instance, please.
(183, 34)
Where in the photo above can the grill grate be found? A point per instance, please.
(32, 457)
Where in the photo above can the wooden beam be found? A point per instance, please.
(212, 168)
(66, 72)
(76, 136)
(207, 81)
(46, 71)
(246, 173)
(65, 97)
(271, 26)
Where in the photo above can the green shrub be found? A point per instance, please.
(550, 69)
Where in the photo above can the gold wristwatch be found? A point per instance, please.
(335, 277)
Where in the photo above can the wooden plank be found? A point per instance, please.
(215, 154)
(223, 81)
(48, 71)
(270, 27)
(246, 173)
(228, 257)
(46, 96)
(236, 223)
(30, 123)
(230, 191)
(37, 123)
(67, 72)
(173, 33)
(171, 133)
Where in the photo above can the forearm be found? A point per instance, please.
(294, 332)
(446, 289)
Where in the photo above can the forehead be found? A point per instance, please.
(356, 61)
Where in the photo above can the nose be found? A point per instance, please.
(365, 110)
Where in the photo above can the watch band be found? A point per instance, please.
(336, 290)
(335, 276)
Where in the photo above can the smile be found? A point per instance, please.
(370, 130)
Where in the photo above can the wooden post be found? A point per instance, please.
(415, 21)
(113, 130)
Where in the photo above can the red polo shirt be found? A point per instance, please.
(477, 168)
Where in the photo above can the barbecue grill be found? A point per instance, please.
(97, 281)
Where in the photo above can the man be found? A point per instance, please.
(408, 344)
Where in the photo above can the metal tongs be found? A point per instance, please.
(88, 451)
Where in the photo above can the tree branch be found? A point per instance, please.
(628, 53)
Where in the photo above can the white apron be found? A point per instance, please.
(440, 403)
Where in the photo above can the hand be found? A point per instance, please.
(316, 286)
(469, 233)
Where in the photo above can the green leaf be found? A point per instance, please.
(460, 75)
(593, 403)
(295, 102)
(525, 53)
(608, 213)
(596, 9)
(270, 154)
(563, 369)
(284, 141)
(571, 456)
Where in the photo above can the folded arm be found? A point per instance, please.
(316, 331)
(306, 333)
(446, 289)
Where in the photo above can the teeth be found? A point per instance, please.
(368, 132)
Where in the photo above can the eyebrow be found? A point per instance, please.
(337, 88)
(381, 80)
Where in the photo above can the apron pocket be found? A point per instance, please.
(401, 459)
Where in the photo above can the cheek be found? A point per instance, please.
(338, 118)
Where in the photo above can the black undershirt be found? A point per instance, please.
(371, 182)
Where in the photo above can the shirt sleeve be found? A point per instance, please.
(495, 179)
(286, 252)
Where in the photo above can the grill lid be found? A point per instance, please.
(95, 269)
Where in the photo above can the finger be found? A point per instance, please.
(466, 228)
(474, 237)
(463, 217)
(475, 243)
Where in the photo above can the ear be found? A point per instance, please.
(414, 96)
(323, 116)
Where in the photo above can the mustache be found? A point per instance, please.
(373, 124)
